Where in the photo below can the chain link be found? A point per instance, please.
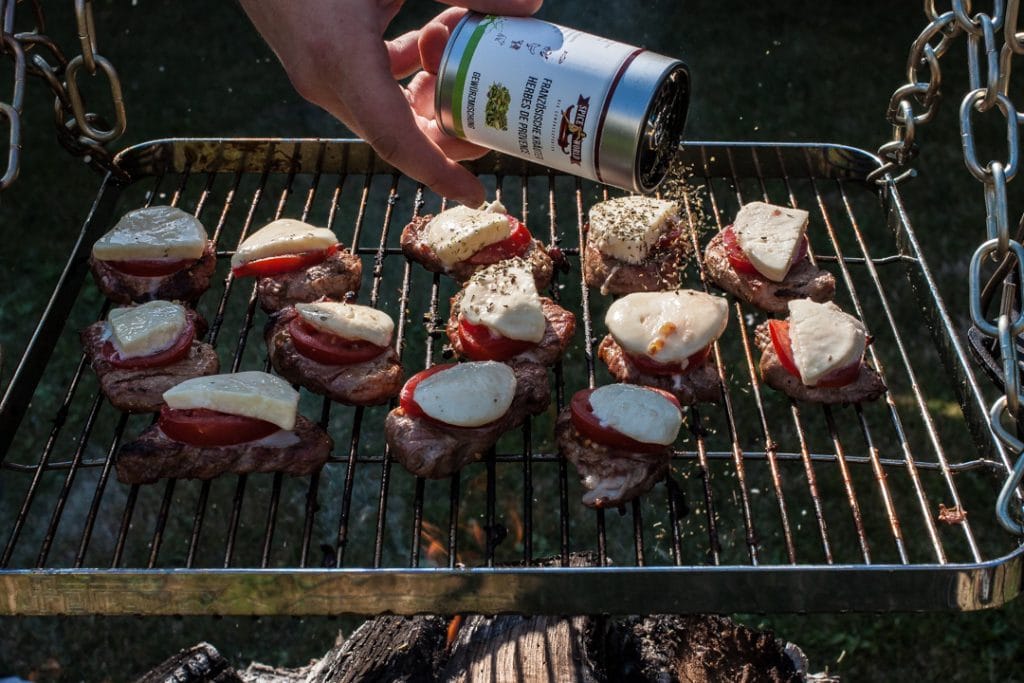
(83, 133)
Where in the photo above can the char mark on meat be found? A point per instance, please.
(435, 451)
(611, 476)
(187, 284)
(369, 383)
(154, 456)
(699, 385)
(804, 281)
(336, 277)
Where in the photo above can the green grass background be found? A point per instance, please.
(793, 71)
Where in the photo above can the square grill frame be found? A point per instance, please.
(749, 571)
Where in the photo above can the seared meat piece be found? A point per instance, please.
(867, 387)
(435, 451)
(699, 385)
(154, 455)
(187, 284)
(611, 476)
(612, 276)
(369, 383)
(558, 332)
(416, 249)
(141, 390)
(804, 281)
(333, 278)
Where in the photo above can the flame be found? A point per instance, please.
(477, 533)
(515, 523)
(436, 551)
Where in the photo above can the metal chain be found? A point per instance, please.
(992, 41)
(83, 133)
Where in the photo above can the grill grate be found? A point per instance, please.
(771, 505)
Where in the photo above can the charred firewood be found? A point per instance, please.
(199, 664)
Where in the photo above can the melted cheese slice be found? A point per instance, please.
(459, 232)
(504, 298)
(639, 413)
(628, 228)
(281, 237)
(668, 327)
(251, 394)
(770, 236)
(146, 329)
(467, 395)
(349, 321)
(823, 339)
(156, 232)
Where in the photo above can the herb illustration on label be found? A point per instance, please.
(498, 99)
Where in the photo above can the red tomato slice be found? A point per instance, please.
(150, 267)
(739, 261)
(201, 427)
(276, 265)
(480, 342)
(172, 354)
(588, 425)
(330, 349)
(513, 245)
(653, 367)
(406, 399)
(840, 377)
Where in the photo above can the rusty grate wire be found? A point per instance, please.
(770, 495)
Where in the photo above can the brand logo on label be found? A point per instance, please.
(571, 133)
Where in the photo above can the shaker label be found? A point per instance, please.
(537, 90)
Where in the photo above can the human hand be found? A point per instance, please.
(335, 54)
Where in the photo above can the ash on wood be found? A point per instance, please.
(198, 664)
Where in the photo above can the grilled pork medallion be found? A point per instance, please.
(159, 252)
(817, 355)
(339, 350)
(634, 244)
(460, 241)
(237, 423)
(500, 316)
(620, 439)
(450, 415)
(295, 262)
(664, 340)
(139, 352)
(762, 259)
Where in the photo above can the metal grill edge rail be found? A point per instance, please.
(771, 505)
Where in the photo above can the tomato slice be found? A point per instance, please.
(201, 427)
(276, 265)
(840, 377)
(513, 245)
(407, 400)
(150, 267)
(650, 366)
(172, 354)
(480, 342)
(739, 261)
(330, 349)
(588, 425)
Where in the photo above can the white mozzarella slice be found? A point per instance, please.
(823, 339)
(667, 327)
(252, 394)
(349, 321)
(457, 233)
(504, 298)
(156, 232)
(628, 228)
(639, 413)
(281, 237)
(467, 395)
(770, 237)
(146, 329)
